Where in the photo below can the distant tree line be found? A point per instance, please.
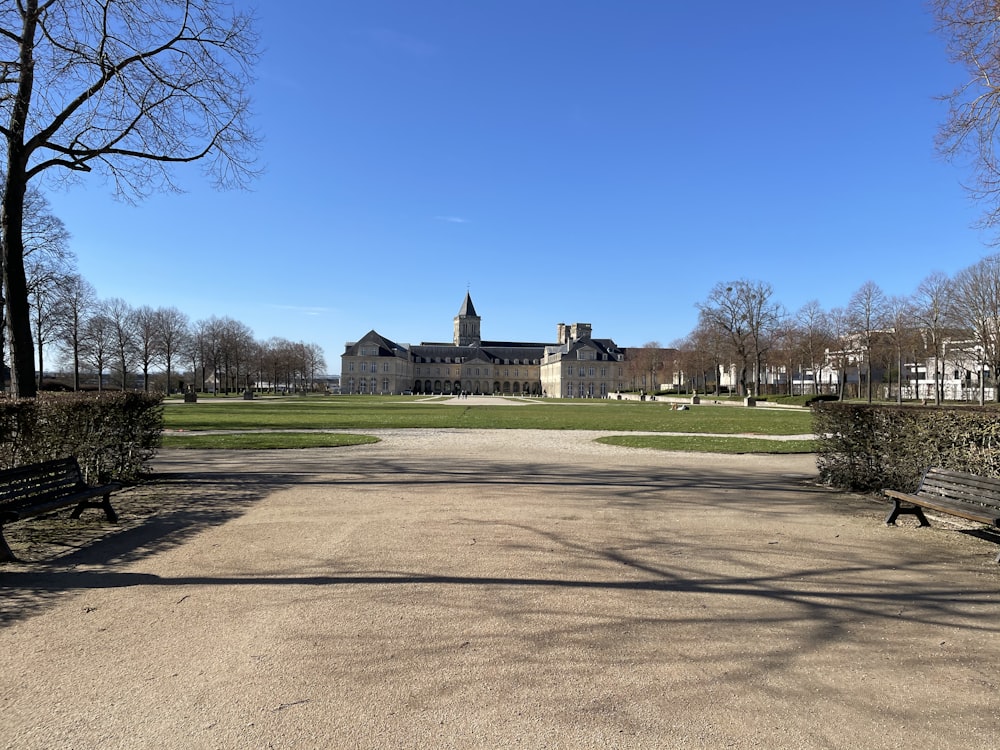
(944, 320)
(109, 343)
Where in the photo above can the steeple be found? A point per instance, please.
(467, 307)
(467, 324)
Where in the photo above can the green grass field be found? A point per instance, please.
(371, 412)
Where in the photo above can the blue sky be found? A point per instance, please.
(602, 162)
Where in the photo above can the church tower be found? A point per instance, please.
(467, 324)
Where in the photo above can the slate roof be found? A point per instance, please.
(488, 351)
(386, 347)
(468, 308)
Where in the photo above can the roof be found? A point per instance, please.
(488, 351)
(468, 310)
(386, 347)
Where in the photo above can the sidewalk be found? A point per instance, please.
(492, 589)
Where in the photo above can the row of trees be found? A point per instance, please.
(96, 337)
(946, 318)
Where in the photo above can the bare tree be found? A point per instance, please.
(78, 299)
(745, 312)
(646, 365)
(124, 338)
(125, 87)
(969, 29)
(145, 336)
(838, 356)
(315, 364)
(46, 248)
(98, 338)
(977, 303)
(900, 315)
(208, 340)
(172, 336)
(47, 276)
(932, 308)
(48, 263)
(866, 314)
(236, 345)
(708, 346)
(814, 338)
(724, 313)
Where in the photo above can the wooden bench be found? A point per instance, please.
(957, 493)
(34, 489)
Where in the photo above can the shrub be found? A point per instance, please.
(112, 434)
(867, 447)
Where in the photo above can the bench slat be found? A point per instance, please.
(962, 487)
(981, 514)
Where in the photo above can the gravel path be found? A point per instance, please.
(490, 589)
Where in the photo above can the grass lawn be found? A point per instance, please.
(266, 423)
(370, 412)
(710, 444)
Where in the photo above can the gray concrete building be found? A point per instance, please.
(576, 365)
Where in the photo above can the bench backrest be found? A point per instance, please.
(958, 485)
(24, 486)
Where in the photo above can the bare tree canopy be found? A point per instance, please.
(977, 303)
(747, 314)
(127, 88)
(970, 29)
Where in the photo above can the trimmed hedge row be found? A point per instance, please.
(867, 447)
(112, 434)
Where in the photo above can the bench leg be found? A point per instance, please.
(899, 510)
(6, 554)
(104, 504)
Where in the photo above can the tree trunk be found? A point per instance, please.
(15, 285)
(41, 366)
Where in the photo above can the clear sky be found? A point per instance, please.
(564, 160)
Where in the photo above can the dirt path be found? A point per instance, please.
(491, 589)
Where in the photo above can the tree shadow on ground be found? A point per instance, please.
(216, 487)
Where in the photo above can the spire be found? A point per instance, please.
(468, 309)
(467, 324)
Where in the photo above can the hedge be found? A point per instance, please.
(112, 434)
(867, 447)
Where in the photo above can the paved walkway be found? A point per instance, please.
(492, 589)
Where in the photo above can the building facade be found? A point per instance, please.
(575, 366)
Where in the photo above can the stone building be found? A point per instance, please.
(576, 365)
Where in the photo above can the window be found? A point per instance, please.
(385, 367)
(350, 368)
